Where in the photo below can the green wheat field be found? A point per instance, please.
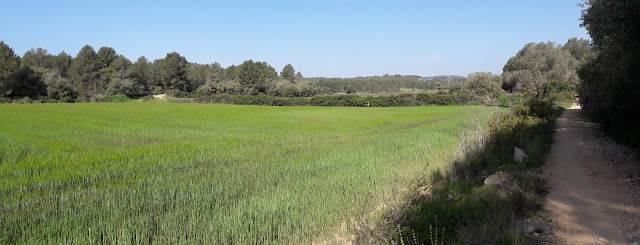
(140, 173)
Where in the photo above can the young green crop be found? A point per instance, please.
(193, 173)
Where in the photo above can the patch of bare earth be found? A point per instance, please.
(595, 187)
(160, 96)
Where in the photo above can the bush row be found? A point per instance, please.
(344, 100)
(341, 100)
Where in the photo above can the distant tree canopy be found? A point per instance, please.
(579, 49)
(255, 76)
(105, 72)
(288, 73)
(610, 88)
(539, 63)
(140, 76)
(9, 62)
(37, 58)
(484, 84)
(385, 84)
(91, 76)
(83, 70)
(17, 80)
(173, 72)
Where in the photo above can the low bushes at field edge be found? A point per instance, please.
(413, 99)
(342, 100)
(468, 212)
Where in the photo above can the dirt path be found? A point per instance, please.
(593, 197)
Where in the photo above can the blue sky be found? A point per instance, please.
(332, 38)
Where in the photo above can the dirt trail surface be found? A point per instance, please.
(594, 185)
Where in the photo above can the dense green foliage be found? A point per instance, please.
(540, 63)
(484, 85)
(407, 99)
(610, 91)
(17, 80)
(288, 73)
(173, 72)
(255, 77)
(92, 76)
(192, 173)
(386, 83)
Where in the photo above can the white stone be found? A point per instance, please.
(498, 178)
(602, 241)
(518, 154)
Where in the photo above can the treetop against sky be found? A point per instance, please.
(332, 38)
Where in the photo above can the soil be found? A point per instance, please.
(160, 96)
(594, 186)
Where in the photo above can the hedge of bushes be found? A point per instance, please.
(344, 100)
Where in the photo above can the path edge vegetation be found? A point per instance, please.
(455, 207)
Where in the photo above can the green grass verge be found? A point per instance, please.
(467, 211)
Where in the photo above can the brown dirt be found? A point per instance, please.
(594, 185)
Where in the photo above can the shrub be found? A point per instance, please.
(472, 213)
(120, 98)
(5, 100)
(157, 90)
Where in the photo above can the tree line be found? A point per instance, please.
(384, 84)
(544, 68)
(91, 75)
(610, 88)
